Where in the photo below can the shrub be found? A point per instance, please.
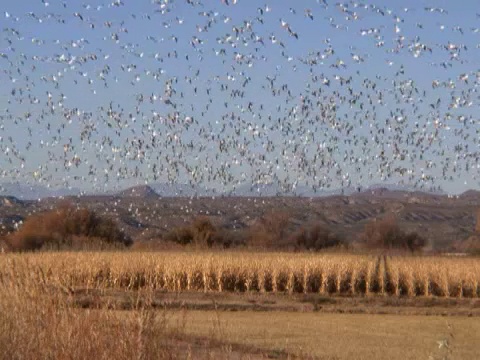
(27, 241)
(201, 232)
(270, 230)
(182, 235)
(227, 238)
(414, 241)
(386, 234)
(63, 227)
(316, 237)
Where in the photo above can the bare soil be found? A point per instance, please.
(233, 302)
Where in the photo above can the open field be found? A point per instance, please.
(237, 305)
(343, 336)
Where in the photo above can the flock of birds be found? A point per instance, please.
(318, 93)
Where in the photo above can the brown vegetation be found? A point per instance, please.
(39, 320)
(274, 230)
(66, 306)
(316, 237)
(440, 219)
(70, 227)
(66, 227)
(201, 233)
(289, 273)
(386, 234)
(470, 245)
(270, 230)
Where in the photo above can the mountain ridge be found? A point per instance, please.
(24, 191)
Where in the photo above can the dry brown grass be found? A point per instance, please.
(347, 336)
(40, 319)
(343, 274)
(36, 323)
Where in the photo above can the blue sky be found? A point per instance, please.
(103, 95)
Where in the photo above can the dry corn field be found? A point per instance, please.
(335, 274)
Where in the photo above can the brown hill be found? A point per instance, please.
(144, 215)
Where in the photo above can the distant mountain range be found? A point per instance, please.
(34, 192)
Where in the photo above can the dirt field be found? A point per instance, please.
(252, 325)
(302, 303)
(343, 336)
